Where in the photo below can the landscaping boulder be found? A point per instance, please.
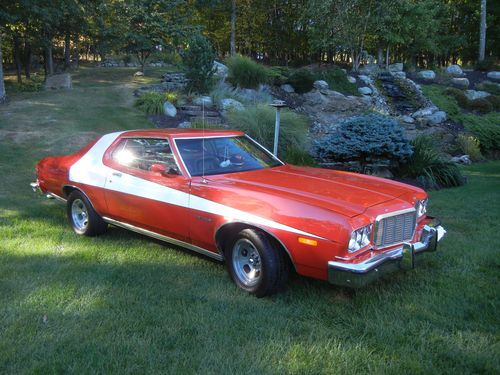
(436, 118)
(464, 159)
(220, 69)
(461, 83)
(169, 109)
(351, 79)
(138, 74)
(228, 103)
(424, 112)
(204, 101)
(473, 94)
(369, 69)
(427, 75)
(59, 81)
(184, 125)
(495, 76)
(287, 88)
(400, 75)
(365, 91)
(320, 85)
(455, 71)
(397, 67)
(408, 119)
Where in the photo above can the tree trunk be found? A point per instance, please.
(380, 57)
(387, 57)
(67, 51)
(77, 50)
(49, 62)
(233, 28)
(482, 31)
(27, 59)
(2, 86)
(17, 57)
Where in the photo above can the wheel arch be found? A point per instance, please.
(68, 189)
(226, 232)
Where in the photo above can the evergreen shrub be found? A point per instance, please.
(302, 81)
(199, 62)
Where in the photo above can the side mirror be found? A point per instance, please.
(162, 169)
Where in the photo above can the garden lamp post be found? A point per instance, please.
(278, 104)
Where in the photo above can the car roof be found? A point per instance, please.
(180, 133)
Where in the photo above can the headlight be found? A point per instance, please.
(421, 207)
(360, 238)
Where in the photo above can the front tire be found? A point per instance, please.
(255, 264)
(82, 216)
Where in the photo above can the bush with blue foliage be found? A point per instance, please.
(368, 139)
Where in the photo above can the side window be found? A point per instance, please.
(142, 153)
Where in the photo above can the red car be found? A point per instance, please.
(222, 194)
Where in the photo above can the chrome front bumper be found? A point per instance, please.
(359, 274)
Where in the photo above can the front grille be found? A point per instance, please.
(395, 229)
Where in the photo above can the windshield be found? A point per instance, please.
(209, 156)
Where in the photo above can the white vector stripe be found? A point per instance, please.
(90, 170)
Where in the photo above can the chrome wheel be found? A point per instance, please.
(246, 262)
(79, 215)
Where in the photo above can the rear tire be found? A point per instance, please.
(82, 216)
(255, 264)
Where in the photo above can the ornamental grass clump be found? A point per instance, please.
(430, 167)
(469, 145)
(258, 122)
(245, 73)
(367, 139)
(150, 103)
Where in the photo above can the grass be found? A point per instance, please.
(123, 304)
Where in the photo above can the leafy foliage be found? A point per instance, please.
(171, 96)
(487, 132)
(302, 80)
(278, 75)
(150, 103)
(258, 122)
(365, 138)
(430, 167)
(492, 88)
(199, 60)
(245, 73)
(469, 145)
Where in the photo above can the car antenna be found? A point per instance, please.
(203, 142)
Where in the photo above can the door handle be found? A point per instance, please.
(116, 174)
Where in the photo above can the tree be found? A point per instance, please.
(199, 61)
(2, 85)
(482, 32)
(232, 43)
(154, 24)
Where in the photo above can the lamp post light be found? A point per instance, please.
(278, 104)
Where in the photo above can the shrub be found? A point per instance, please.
(430, 167)
(494, 101)
(469, 145)
(492, 88)
(199, 60)
(487, 64)
(365, 138)
(258, 123)
(171, 96)
(298, 156)
(337, 80)
(278, 75)
(245, 73)
(150, 103)
(302, 80)
(459, 96)
(481, 105)
(487, 131)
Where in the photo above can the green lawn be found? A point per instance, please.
(122, 303)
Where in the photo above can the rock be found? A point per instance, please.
(400, 75)
(59, 81)
(351, 79)
(169, 109)
(138, 74)
(287, 88)
(473, 94)
(495, 76)
(461, 83)
(369, 69)
(424, 112)
(407, 119)
(427, 75)
(397, 67)
(220, 69)
(436, 118)
(382, 172)
(464, 159)
(184, 125)
(314, 98)
(320, 85)
(365, 79)
(204, 101)
(228, 103)
(365, 90)
(455, 71)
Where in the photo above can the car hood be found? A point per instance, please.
(349, 194)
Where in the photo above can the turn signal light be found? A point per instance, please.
(308, 241)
